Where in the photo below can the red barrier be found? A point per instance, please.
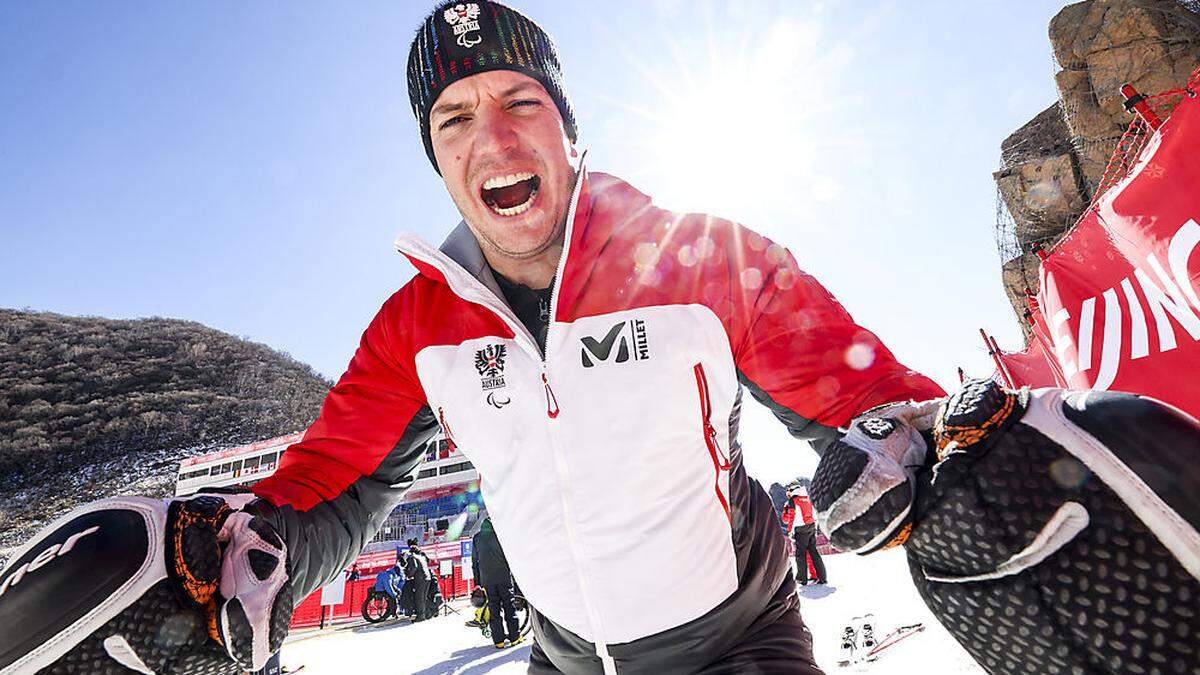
(308, 614)
(1121, 292)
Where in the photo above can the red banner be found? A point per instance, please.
(1120, 293)
(1030, 368)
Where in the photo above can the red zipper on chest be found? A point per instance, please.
(719, 459)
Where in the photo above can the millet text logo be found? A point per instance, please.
(629, 337)
(489, 361)
(464, 18)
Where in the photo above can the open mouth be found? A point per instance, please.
(510, 195)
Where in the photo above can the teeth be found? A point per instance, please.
(505, 181)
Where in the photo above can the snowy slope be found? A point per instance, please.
(879, 584)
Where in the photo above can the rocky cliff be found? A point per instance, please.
(93, 407)
(1051, 166)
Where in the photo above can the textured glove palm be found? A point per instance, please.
(182, 587)
(865, 483)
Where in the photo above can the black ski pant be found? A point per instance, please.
(406, 598)
(503, 615)
(806, 545)
(420, 597)
(775, 643)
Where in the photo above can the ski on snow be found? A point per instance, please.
(859, 646)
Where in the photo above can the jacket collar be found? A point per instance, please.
(462, 247)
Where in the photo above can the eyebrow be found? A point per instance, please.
(447, 108)
(456, 107)
(517, 88)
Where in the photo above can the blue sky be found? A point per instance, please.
(247, 165)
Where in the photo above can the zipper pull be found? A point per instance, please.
(710, 434)
(446, 429)
(722, 460)
(551, 401)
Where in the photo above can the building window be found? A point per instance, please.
(455, 468)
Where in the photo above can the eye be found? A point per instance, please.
(524, 102)
(452, 121)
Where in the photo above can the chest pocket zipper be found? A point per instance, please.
(719, 459)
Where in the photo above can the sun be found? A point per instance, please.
(742, 124)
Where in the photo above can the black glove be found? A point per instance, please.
(170, 587)
(1057, 531)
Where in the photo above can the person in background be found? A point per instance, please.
(391, 581)
(404, 603)
(798, 517)
(416, 571)
(491, 572)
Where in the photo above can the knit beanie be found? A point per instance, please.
(460, 39)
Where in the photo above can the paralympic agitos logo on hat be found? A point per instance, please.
(464, 18)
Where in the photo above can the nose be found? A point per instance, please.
(495, 131)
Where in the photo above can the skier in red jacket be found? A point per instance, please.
(798, 520)
(587, 350)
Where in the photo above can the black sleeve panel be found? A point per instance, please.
(817, 434)
(324, 540)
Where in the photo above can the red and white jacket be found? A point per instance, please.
(610, 464)
(798, 505)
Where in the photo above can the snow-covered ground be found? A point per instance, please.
(877, 584)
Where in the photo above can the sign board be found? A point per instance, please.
(334, 593)
(468, 571)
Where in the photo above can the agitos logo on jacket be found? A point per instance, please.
(602, 349)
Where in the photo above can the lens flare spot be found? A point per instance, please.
(776, 254)
(645, 254)
(1068, 472)
(860, 356)
(827, 387)
(752, 278)
(687, 256)
(455, 528)
(784, 278)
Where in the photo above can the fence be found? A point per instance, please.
(311, 613)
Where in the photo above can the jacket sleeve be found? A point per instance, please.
(800, 353)
(335, 487)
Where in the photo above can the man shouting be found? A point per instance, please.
(587, 351)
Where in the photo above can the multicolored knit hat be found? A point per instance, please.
(460, 39)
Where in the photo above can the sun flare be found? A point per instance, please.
(742, 124)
